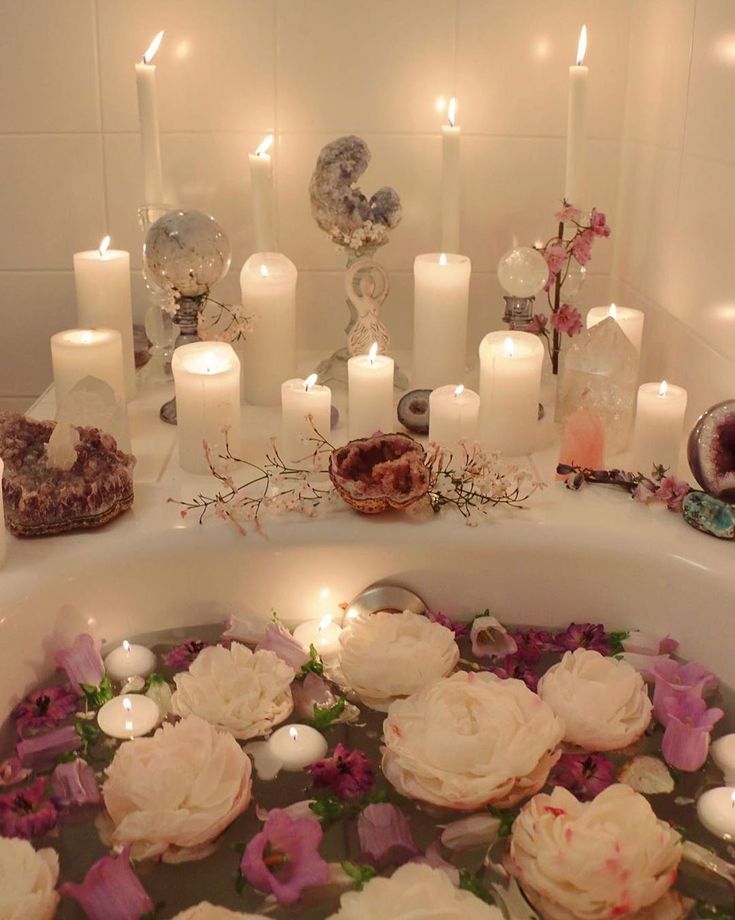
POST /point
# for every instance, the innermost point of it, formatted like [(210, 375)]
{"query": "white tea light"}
[(576, 168), (658, 426), (722, 752), (207, 384), (716, 811), (323, 634), (370, 397), (261, 185), (297, 746), (305, 406), (145, 81), (128, 660), (453, 415), (128, 716), (629, 320), (450, 180)]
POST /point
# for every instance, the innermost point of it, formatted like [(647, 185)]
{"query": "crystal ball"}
[(522, 272), (186, 252)]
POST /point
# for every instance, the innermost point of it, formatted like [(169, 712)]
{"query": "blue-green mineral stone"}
[(710, 515)]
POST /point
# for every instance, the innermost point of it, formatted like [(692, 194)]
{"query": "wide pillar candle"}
[(80, 353), (102, 280), (261, 186), (207, 382), (576, 166), (370, 383), (305, 406), (630, 321), (510, 381), (450, 181), (441, 302), (659, 423), (268, 288), (453, 415)]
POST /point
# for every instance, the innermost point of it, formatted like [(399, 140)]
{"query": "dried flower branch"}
[(238, 324), (660, 486)]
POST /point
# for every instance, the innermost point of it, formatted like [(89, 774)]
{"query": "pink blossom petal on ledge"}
[(110, 890), (74, 783)]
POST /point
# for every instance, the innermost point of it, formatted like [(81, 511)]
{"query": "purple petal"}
[(74, 783), (110, 890), (347, 773), (312, 690), (247, 631), (645, 643), (12, 772), (181, 657), (385, 836), (82, 662), (25, 813), (42, 750), (44, 709), (279, 640)]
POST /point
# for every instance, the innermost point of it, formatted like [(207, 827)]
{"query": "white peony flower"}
[(415, 891), (27, 881), (170, 795), (603, 702), (239, 691), (470, 740), (607, 858), (207, 911), (389, 655)]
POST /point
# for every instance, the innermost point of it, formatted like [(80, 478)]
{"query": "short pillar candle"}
[(80, 353), (453, 416), (370, 383), (659, 423), (629, 320), (306, 406)]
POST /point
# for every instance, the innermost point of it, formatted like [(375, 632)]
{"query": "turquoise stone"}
[(710, 515)]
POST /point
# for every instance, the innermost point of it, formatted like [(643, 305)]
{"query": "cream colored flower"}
[(239, 691), (607, 858), (603, 702), (470, 740), (170, 795), (390, 655), (414, 891), (207, 911), (27, 881)]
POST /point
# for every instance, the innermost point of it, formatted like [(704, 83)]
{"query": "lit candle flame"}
[(442, 258), (458, 391), (264, 271), (126, 645), (85, 337), (153, 47), (582, 45), (373, 352), (452, 112), (309, 382), (352, 614), (663, 388), (104, 246), (294, 733), (325, 621), (265, 146), (127, 704), (613, 312), (508, 346)]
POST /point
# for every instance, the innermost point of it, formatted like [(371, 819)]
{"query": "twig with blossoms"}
[(659, 487), (238, 327)]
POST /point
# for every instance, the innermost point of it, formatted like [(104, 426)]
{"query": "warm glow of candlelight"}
[(459, 390), (440, 104), (613, 311), (127, 704), (265, 146), (153, 47), (126, 645), (104, 246), (264, 271), (373, 352), (732, 799), (452, 112), (325, 621), (508, 346), (663, 388), (294, 733), (442, 258), (309, 382), (582, 45), (352, 614)]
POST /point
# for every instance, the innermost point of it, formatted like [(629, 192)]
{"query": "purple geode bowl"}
[(711, 450)]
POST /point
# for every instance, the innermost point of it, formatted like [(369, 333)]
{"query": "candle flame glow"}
[(442, 258), (127, 704), (128, 725), (508, 346), (264, 271), (663, 388), (153, 47), (126, 645), (84, 337), (582, 45), (373, 352), (294, 733), (309, 382), (440, 104), (104, 246), (613, 312), (352, 614), (452, 112), (264, 146), (325, 621), (458, 391)]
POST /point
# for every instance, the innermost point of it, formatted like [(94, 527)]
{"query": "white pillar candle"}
[(322, 634), (510, 380), (574, 185), (128, 660), (453, 415), (440, 307), (296, 746), (450, 180), (102, 281), (659, 422), (716, 810), (207, 383), (722, 752), (268, 288), (370, 398), (145, 81), (3, 537), (128, 716), (629, 320), (261, 190), (80, 353), (305, 406)]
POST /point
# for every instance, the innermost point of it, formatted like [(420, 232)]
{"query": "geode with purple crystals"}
[(41, 500), (711, 450)]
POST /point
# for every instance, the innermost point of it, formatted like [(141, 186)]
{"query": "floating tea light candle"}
[(128, 716), (723, 754), (296, 746), (322, 634), (716, 810), (130, 661)]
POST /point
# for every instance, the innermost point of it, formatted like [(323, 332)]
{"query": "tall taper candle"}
[(261, 185), (450, 180), (575, 184), (145, 81)]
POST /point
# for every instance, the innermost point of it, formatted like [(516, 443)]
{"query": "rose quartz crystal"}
[(583, 441)]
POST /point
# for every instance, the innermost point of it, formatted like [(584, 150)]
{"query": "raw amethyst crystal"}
[(40, 500), (711, 450)]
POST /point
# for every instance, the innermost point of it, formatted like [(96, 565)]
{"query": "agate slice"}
[(413, 411), (41, 500), (711, 450)]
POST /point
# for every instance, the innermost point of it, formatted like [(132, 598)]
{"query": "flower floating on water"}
[(74, 783), (27, 881), (207, 911), (459, 629), (584, 775), (12, 772), (607, 858), (279, 640), (686, 739), (172, 794), (490, 638), (673, 680), (183, 656), (111, 890), (583, 635), (347, 773), (42, 750), (43, 709), (474, 831), (385, 836), (26, 813), (239, 691), (603, 702), (283, 859), (82, 662), (470, 740)]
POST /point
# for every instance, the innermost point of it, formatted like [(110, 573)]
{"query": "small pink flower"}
[(691, 680), (44, 708), (582, 246), (279, 640), (567, 319), (490, 639), (673, 491), (568, 214), (385, 836), (646, 643), (42, 750), (686, 739), (584, 775), (555, 255), (583, 635), (181, 657), (74, 783), (459, 629), (537, 326), (26, 813), (111, 890), (644, 493), (598, 223), (311, 691), (82, 662), (347, 773), (12, 772)]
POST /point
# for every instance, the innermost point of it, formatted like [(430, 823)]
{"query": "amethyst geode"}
[(41, 500), (711, 450)]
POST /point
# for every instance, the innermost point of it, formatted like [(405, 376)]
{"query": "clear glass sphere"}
[(186, 252), (522, 272), (575, 280)]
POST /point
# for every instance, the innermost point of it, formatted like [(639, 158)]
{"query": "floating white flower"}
[(415, 891), (207, 911), (470, 740), (27, 881), (388, 655), (170, 795), (239, 691), (603, 702), (607, 858)]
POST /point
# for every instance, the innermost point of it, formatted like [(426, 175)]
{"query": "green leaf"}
[(314, 664), (240, 883), (375, 797), (329, 809), (88, 732), (468, 883), (358, 873), (506, 816), (153, 680), (615, 640), (485, 613), (324, 716), (98, 696)]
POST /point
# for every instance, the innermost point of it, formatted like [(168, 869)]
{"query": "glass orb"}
[(186, 252), (575, 280), (522, 272)]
